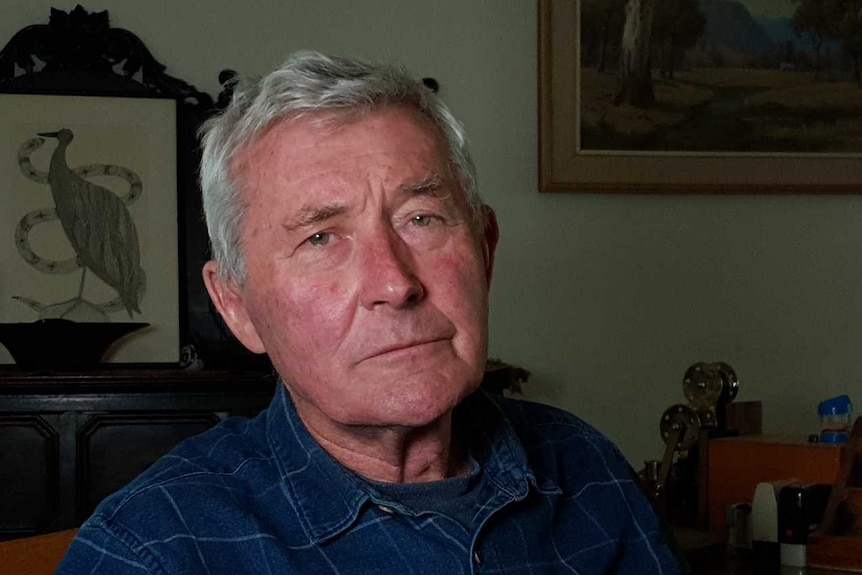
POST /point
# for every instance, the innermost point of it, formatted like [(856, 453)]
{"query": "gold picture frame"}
[(566, 166)]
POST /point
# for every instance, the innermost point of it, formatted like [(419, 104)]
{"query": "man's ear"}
[(228, 299), (490, 238)]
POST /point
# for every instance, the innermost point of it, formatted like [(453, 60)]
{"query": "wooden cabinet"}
[(69, 440), (737, 464)]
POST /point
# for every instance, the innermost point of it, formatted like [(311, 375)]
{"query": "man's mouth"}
[(403, 347)]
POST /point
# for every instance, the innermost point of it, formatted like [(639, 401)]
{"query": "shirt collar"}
[(307, 471)]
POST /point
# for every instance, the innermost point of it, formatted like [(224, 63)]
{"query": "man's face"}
[(367, 283)]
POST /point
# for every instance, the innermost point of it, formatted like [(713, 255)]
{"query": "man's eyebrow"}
[(309, 215), (432, 185)]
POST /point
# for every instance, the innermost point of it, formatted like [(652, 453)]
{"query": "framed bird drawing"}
[(88, 229)]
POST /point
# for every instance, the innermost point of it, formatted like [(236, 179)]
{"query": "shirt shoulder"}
[(221, 451), (594, 481), (209, 489), (540, 424), (559, 421), (555, 439), (229, 460)]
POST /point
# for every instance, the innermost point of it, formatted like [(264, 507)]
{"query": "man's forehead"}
[(301, 140)]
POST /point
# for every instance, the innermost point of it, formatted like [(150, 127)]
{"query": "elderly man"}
[(350, 244)]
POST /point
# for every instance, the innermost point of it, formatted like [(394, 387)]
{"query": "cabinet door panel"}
[(29, 483)]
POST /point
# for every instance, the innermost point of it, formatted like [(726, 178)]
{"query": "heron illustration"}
[(98, 225)]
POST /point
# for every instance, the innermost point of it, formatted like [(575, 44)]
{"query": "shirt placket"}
[(482, 555)]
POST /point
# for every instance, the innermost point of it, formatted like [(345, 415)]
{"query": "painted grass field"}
[(728, 110)]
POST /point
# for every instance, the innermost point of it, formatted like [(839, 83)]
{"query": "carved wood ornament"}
[(43, 56)]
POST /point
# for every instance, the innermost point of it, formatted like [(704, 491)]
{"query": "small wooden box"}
[(737, 464)]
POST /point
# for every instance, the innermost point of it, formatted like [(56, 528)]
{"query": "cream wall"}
[(607, 299)]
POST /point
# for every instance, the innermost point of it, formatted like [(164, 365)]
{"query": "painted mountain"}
[(779, 30), (731, 25)]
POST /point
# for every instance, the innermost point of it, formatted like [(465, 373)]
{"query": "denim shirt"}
[(261, 496)]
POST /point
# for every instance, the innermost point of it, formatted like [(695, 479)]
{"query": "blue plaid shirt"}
[(261, 496)]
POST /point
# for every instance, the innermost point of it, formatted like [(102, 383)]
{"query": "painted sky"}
[(772, 8)]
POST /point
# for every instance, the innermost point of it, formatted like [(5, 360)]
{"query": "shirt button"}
[(385, 509), (476, 558)]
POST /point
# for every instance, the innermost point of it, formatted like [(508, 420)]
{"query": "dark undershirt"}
[(454, 497)]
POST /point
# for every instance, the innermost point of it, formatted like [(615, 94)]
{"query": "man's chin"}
[(424, 408)]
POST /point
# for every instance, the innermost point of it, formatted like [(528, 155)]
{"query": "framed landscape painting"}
[(700, 96)]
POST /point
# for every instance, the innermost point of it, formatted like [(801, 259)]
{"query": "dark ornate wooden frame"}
[(69, 438), (79, 53)]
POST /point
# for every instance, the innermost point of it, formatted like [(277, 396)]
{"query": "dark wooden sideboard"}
[(68, 440)]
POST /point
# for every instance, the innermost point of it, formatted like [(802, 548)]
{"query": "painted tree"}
[(818, 21), (851, 34), (600, 29), (635, 73), (677, 26)]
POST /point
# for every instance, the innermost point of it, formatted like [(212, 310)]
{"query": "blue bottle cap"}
[(835, 405)]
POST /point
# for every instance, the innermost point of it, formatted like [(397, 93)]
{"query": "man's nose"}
[(388, 273)]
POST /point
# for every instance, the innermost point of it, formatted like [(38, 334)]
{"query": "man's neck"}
[(392, 454)]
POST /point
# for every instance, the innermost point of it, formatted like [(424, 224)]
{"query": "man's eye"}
[(423, 220), (320, 239)]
